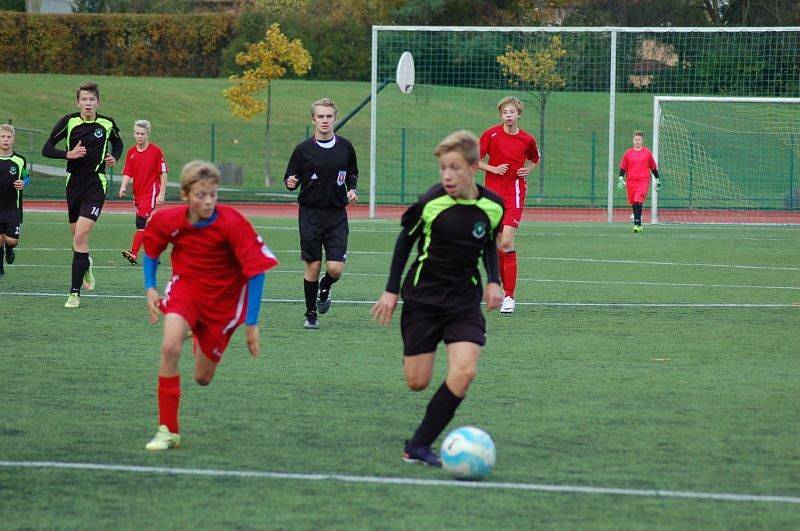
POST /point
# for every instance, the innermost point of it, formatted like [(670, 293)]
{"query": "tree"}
[(538, 71), (266, 60)]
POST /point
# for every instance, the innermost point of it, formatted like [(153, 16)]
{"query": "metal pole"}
[(656, 130), (592, 171), (791, 177), (612, 109), (373, 123), (403, 165), (691, 166), (213, 141)]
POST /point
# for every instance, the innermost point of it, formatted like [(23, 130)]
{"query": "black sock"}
[(80, 263), (310, 290), (325, 286), (440, 412), (637, 214)]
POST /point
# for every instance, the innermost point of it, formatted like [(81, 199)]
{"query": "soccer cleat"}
[(73, 301), (637, 229), (311, 321), (418, 453), (323, 305), (164, 440), (509, 305), (10, 255), (88, 277), (130, 257)]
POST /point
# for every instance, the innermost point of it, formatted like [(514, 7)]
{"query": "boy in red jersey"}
[(218, 265), (146, 167), (509, 149), (637, 163)]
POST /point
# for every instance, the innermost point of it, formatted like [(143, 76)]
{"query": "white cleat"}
[(509, 305), (164, 440)]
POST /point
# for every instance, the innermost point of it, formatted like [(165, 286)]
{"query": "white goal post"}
[(727, 156)]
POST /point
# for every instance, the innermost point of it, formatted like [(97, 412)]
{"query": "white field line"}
[(544, 258), (519, 303), (521, 279), (488, 485)]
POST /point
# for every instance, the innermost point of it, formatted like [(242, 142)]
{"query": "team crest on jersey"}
[(479, 230), (98, 133), (340, 177), (12, 170)]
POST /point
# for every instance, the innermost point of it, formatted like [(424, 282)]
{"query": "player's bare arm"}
[(153, 298), (253, 344), (123, 188), (383, 309), (500, 170), (162, 194), (492, 295)]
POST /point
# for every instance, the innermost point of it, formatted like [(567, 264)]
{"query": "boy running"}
[(218, 265), (146, 167), (13, 178)]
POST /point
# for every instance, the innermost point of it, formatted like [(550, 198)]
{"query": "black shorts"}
[(11, 223), (323, 227), (423, 327), (85, 197)]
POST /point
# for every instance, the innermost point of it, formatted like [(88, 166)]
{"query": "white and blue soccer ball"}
[(468, 453)]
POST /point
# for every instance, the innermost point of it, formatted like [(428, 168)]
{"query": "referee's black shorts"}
[(423, 327), (323, 227), (85, 197)]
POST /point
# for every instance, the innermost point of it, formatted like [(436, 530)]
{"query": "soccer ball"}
[(468, 453)]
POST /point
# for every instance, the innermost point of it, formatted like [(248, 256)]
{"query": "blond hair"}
[(198, 170), (511, 100), (144, 124), (9, 128), (463, 142), (324, 102), (638, 133)]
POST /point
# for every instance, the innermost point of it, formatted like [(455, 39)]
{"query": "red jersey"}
[(637, 164), (215, 258), (145, 167), (504, 148)]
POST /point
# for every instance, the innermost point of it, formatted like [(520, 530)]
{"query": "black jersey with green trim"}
[(12, 167), (453, 234), (95, 136)]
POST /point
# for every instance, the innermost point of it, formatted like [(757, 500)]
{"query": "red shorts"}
[(513, 203), (146, 203), (212, 324), (637, 191)]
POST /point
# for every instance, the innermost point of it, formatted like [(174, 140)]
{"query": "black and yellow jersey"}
[(12, 168), (453, 235), (95, 136)]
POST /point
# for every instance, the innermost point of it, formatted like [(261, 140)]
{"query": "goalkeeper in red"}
[(634, 173), (509, 149), (218, 265)]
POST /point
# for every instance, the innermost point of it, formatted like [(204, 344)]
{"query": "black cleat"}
[(130, 257), (324, 303), (417, 453), (311, 321), (10, 255)]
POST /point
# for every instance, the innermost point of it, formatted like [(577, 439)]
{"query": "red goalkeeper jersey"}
[(504, 148), (216, 258), (637, 164)]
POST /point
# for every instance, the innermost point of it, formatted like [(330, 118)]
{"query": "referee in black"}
[(325, 168), (456, 223), (88, 136)]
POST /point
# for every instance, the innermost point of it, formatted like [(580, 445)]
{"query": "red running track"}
[(532, 214)]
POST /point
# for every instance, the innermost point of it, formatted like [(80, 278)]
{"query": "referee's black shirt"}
[(326, 169)]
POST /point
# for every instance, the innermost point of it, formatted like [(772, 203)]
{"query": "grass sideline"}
[(691, 398)]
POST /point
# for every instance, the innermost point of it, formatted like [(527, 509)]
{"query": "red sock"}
[(510, 273), (169, 401), (138, 236), (501, 262)]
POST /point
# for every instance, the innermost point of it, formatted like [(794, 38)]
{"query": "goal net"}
[(727, 160)]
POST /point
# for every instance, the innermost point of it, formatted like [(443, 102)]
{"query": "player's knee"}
[(462, 376), (10, 242), (171, 350), (417, 382), (203, 379)]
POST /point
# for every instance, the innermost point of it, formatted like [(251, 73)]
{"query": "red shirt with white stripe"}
[(145, 168), (637, 164), (504, 148), (216, 258)]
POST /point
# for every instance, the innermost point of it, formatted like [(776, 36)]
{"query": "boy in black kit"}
[(325, 168)]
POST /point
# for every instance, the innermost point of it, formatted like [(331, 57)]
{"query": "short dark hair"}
[(88, 87)]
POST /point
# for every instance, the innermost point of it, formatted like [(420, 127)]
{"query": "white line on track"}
[(521, 279), (346, 478), (519, 303), (522, 257)]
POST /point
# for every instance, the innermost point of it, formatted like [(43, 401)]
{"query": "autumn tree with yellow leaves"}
[(538, 72), (265, 61)]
